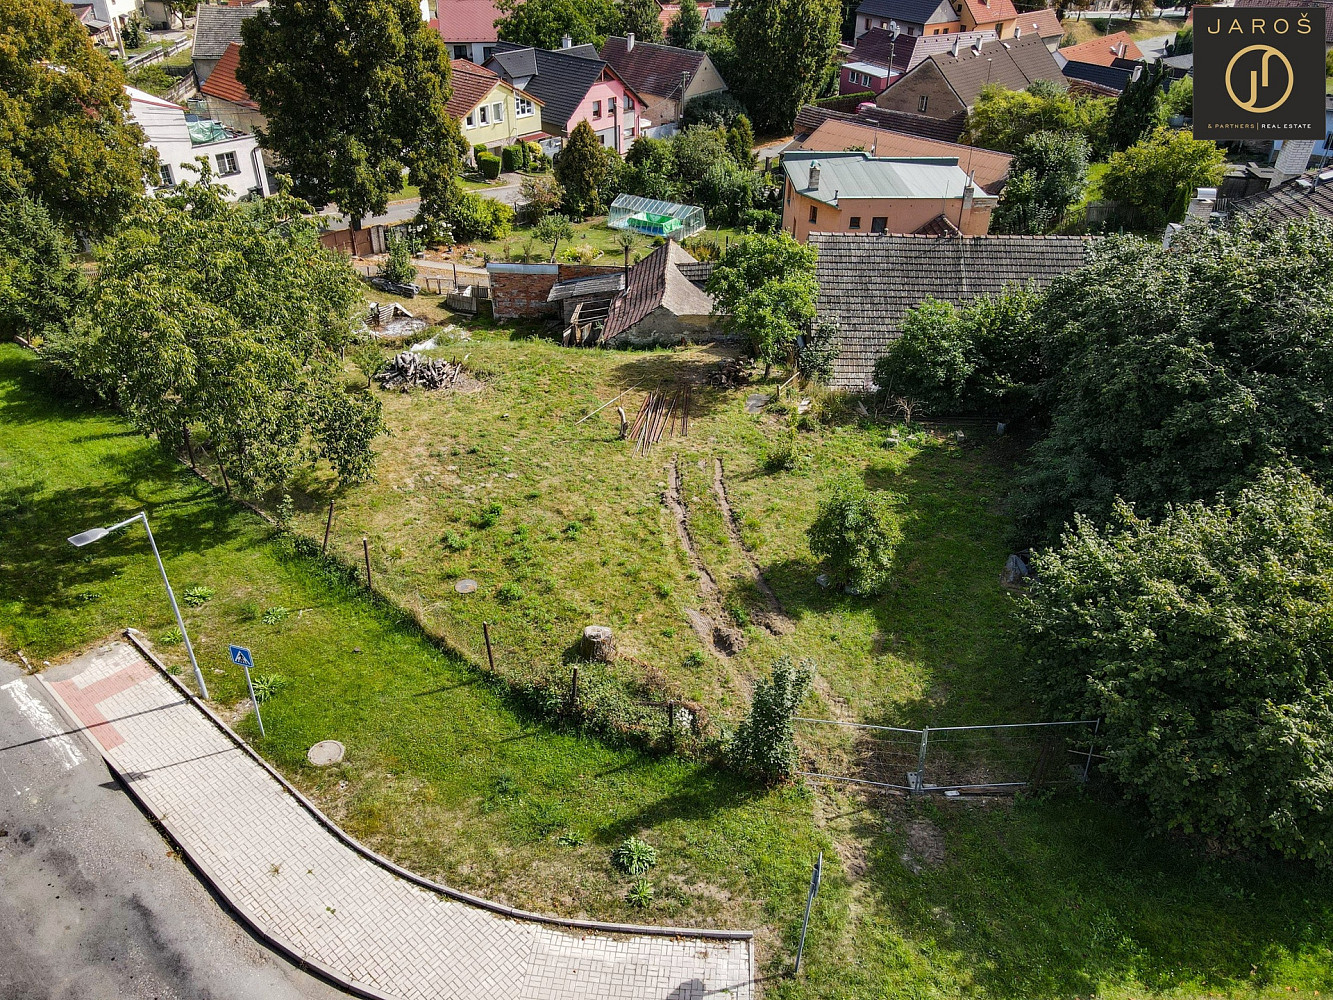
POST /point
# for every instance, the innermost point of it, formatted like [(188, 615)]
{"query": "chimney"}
[(969, 192), (976, 46), (1202, 204), (629, 41), (954, 51), (814, 177), (1120, 51), (566, 42), (1018, 32)]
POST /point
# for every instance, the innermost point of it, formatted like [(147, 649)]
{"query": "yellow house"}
[(492, 113)]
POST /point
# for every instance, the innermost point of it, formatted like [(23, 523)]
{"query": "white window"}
[(523, 107), (484, 115), (498, 111), (167, 179), (227, 164), (471, 121), (597, 109)]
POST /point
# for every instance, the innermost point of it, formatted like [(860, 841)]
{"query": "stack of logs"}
[(661, 414), (730, 373), (408, 369)]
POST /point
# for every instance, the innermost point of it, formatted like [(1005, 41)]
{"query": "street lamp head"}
[(88, 537)]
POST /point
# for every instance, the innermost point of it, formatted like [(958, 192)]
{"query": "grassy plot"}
[(1060, 898)]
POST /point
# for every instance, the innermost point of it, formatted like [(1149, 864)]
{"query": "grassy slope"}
[(1045, 898), (1079, 31)]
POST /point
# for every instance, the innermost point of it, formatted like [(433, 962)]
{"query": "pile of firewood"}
[(730, 373), (407, 370)]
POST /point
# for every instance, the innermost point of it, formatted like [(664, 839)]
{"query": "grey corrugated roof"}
[(217, 27), (860, 175), (867, 283), (596, 284), (559, 80), (909, 11)]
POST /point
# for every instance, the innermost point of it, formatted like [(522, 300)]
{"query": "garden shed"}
[(656, 218)]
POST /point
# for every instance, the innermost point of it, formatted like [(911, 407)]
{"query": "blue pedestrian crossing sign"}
[(241, 657)]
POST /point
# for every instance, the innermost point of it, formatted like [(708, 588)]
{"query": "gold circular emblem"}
[(1255, 82)]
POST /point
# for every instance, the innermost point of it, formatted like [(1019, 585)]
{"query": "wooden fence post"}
[(323, 549), (574, 691), (486, 634), (365, 547)]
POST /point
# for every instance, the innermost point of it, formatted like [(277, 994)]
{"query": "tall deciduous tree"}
[(210, 316), (1003, 119), (686, 26), (1045, 178), (1204, 642), (643, 17), (354, 92), (1157, 176), (764, 290), (582, 170), (784, 49), (66, 138), (543, 23)]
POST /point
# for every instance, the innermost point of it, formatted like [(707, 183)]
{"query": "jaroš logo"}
[(1258, 73), (1259, 78)]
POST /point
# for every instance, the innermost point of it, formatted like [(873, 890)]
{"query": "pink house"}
[(574, 85)]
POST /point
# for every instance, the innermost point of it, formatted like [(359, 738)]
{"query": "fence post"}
[(323, 549), (918, 781), (365, 547), (574, 691), (486, 634), (1092, 745)]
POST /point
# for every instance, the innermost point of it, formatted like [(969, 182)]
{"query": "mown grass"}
[(1043, 898), (1078, 31)]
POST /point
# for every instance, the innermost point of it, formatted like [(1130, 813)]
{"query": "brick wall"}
[(519, 291)]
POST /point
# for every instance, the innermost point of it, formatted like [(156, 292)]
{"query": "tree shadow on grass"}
[(1068, 897), (710, 790)]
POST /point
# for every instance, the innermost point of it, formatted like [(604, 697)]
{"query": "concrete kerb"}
[(409, 876)]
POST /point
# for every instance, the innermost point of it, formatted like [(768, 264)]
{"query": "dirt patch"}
[(775, 620), (708, 622), (925, 846)]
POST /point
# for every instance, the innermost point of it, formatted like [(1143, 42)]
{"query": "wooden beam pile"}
[(661, 415), (408, 369)]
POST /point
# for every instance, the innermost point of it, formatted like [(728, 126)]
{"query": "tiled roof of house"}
[(222, 82), (810, 118), (653, 70), (1044, 23), (991, 168), (1111, 78), (1103, 51), (654, 282), (867, 282), (670, 10), (1296, 198), (471, 83), (991, 11), (1326, 4), (1015, 63), (558, 79), (466, 20), (880, 47), (216, 27), (909, 11), (939, 226)]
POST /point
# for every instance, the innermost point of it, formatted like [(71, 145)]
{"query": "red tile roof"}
[(466, 20), (1045, 22), (470, 84), (1103, 51), (991, 11), (670, 10), (222, 82)]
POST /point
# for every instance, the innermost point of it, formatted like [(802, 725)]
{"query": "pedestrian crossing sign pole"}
[(242, 658)]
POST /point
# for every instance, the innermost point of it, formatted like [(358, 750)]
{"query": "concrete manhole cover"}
[(325, 752), (465, 586)]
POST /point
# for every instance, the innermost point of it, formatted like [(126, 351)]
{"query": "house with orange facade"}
[(999, 16), (854, 192)]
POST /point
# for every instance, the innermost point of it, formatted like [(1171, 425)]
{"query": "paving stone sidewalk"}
[(346, 915)]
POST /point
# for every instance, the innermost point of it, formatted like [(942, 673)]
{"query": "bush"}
[(480, 150), (489, 164), (1203, 641), (634, 856), (511, 158), (473, 216), (369, 360), (397, 265), (765, 744), (818, 351), (716, 110), (857, 533)]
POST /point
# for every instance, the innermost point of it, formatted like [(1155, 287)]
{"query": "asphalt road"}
[(93, 903)]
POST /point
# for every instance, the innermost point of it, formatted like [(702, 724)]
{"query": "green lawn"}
[(1061, 897), (1078, 31)]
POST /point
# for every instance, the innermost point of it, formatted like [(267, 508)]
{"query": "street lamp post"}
[(93, 534)]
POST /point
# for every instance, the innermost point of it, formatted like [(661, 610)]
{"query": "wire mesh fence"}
[(950, 758)]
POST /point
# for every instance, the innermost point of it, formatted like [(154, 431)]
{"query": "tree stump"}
[(599, 644)]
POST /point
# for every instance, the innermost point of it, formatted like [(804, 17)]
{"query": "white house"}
[(112, 13), (180, 139)]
